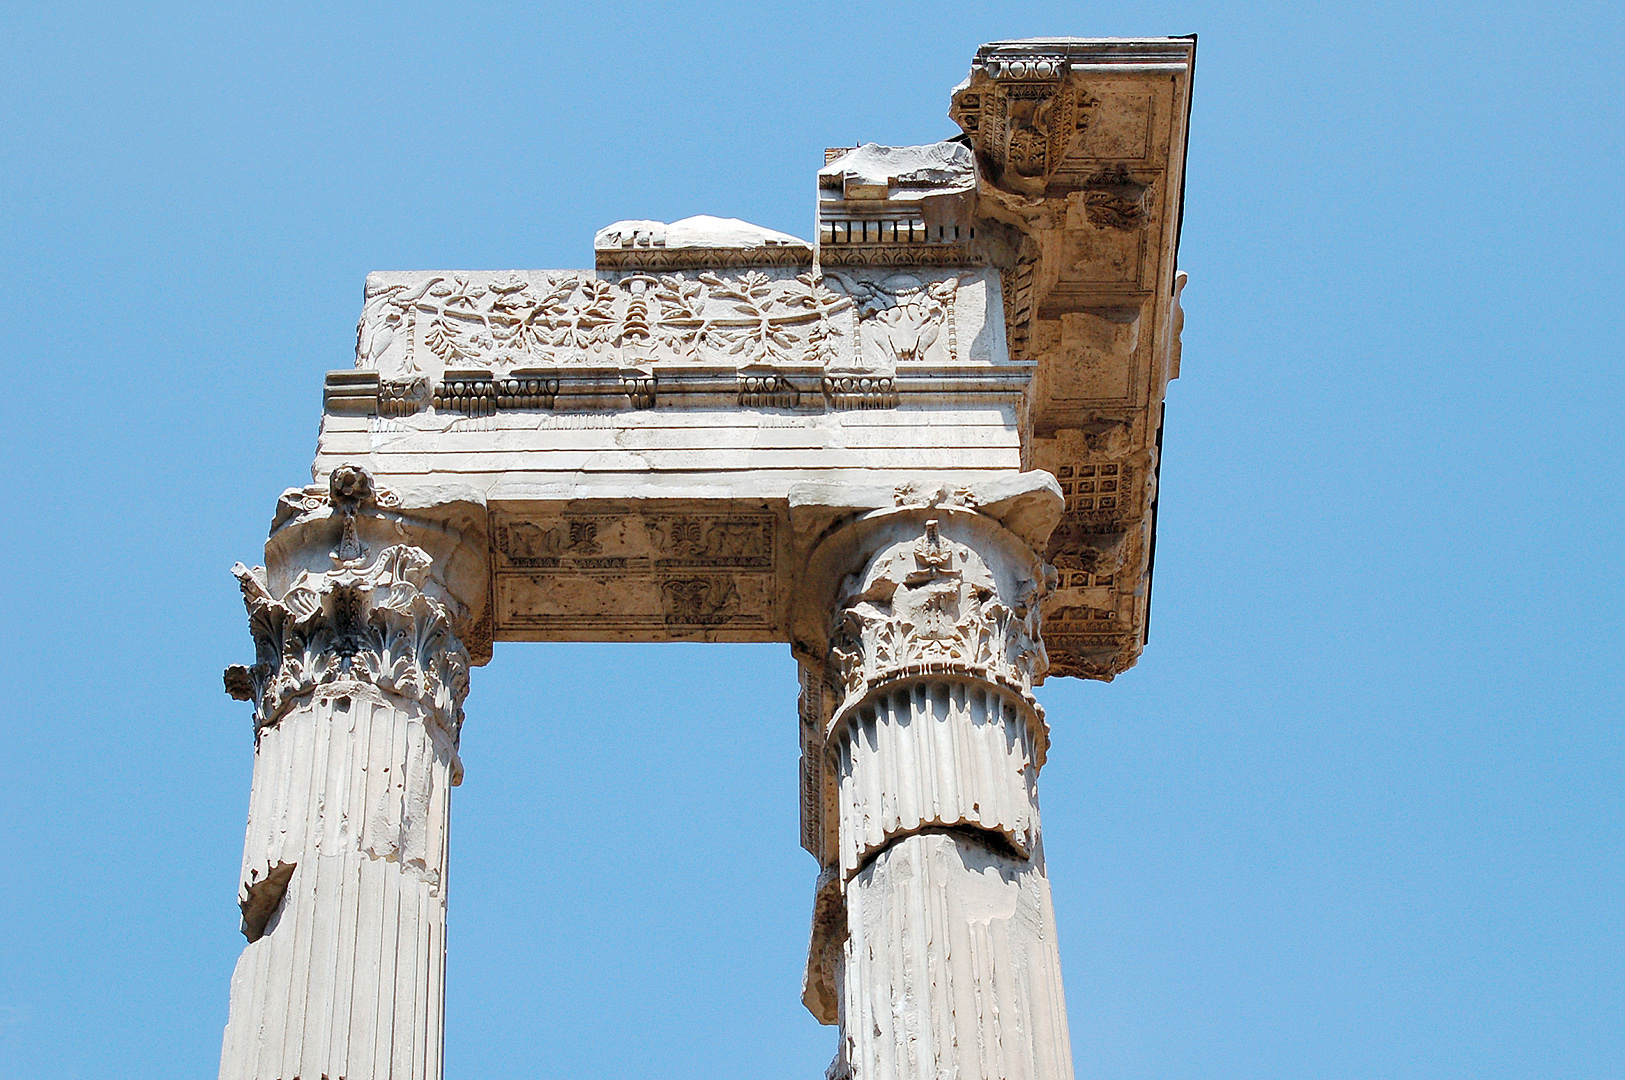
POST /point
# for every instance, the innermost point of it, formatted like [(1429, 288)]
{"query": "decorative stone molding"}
[(404, 397), (640, 390), (526, 390), (767, 392), (861, 391), (471, 392), (351, 393), (1023, 113)]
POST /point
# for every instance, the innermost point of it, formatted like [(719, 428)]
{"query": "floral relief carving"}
[(560, 318), (708, 601), (901, 317), (935, 610), (376, 623)]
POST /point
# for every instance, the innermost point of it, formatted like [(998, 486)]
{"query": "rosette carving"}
[(385, 624)]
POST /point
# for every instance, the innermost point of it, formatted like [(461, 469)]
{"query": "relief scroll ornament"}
[(385, 620), (934, 607), (508, 321)]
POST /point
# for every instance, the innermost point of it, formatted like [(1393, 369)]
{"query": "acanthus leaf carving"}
[(382, 623), (933, 608)]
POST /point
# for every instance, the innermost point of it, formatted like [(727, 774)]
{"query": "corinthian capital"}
[(944, 581), (386, 624), (928, 604)]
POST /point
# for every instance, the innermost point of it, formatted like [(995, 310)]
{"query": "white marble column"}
[(358, 690), (934, 944)]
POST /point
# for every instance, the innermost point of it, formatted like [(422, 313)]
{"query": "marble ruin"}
[(921, 449)]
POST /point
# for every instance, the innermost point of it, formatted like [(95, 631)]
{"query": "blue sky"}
[(1359, 812)]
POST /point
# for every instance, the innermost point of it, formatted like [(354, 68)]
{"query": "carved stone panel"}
[(649, 575), (478, 342)]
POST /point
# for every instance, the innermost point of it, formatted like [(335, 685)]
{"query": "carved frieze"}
[(900, 317), (479, 343), (744, 542), (550, 319), (644, 575)]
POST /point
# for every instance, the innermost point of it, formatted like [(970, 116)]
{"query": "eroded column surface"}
[(358, 689), (934, 941)]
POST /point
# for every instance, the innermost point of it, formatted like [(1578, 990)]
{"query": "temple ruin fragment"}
[(922, 449)]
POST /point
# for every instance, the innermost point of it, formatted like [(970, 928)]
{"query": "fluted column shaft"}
[(358, 692), (934, 947), (347, 977)]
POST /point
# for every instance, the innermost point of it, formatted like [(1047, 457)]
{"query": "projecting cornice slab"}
[(1080, 148)]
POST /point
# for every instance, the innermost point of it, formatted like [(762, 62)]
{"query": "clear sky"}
[(1359, 812)]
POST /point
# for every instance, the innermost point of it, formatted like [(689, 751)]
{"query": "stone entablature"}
[(1080, 147), (1012, 292)]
